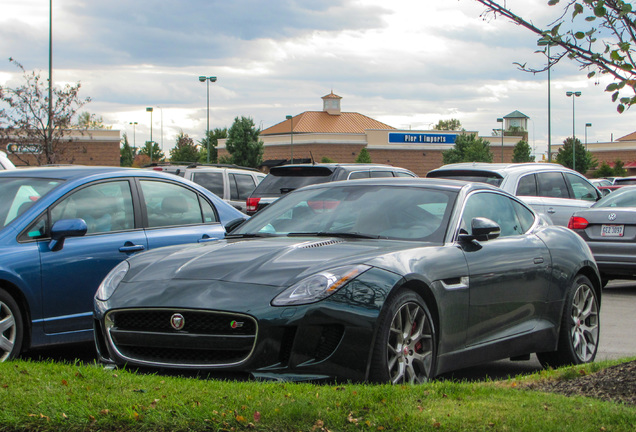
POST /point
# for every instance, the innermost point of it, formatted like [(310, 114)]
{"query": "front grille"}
[(212, 339)]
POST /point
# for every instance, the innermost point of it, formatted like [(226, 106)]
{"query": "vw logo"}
[(177, 321), (612, 216)]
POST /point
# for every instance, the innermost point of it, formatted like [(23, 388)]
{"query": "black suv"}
[(286, 178)]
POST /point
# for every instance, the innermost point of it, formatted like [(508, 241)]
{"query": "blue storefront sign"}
[(421, 138)]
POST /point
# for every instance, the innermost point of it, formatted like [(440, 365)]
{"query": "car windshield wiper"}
[(335, 234), (249, 235)]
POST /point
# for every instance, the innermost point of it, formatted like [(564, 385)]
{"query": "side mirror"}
[(483, 229), (234, 223), (66, 228)]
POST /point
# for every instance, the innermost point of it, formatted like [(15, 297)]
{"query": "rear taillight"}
[(577, 222), (252, 204), (157, 169)]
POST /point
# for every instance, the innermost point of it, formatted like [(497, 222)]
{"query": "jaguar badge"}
[(177, 321)]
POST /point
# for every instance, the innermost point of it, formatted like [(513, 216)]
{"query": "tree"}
[(522, 152), (584, 159), (603, 42), (604, 170), (185, 150), (87, 120), (619, 169), (152, 150), (363, 156), (213, 136), (468, 148), (25, 121), (448, 125), (126, 155), (243, 143)]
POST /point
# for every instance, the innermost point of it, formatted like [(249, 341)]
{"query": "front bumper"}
[(332, 338)]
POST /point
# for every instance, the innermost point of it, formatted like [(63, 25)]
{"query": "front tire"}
[(11, 327), (406, 346), (580, 327)]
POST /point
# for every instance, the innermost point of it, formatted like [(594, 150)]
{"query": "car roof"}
[(503, 169), (68, 172), (343, 165), (440, 183)]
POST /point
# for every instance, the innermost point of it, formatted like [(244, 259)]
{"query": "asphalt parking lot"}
[(618, 322)]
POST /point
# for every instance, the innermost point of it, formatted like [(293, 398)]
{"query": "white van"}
[(5, 163), (232, 183)]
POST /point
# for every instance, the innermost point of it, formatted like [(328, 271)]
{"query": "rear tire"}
[(580, 327), (406, 346), (11, 327)]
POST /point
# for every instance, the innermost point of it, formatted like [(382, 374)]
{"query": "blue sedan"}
[(62, 229)]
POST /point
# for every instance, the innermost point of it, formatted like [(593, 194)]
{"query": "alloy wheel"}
[(585, 323), (7, 331)]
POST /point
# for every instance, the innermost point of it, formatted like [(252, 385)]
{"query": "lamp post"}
[(208, 80), (49, 126), (574, 95), (291, 145), (149, 109), (134, 136), (547, 42), (501, 120), (587, 125)]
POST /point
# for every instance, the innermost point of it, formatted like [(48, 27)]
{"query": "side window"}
[(527, 186), (379, 174), (402, 174), (496, 207), (212, 181), (525, 216), (105, 207), (581, 188), (209, 215), (242, 186), (169, 204), (358, 175), (552, 184)]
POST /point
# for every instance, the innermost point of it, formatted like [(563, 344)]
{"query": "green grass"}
[(47, 396)]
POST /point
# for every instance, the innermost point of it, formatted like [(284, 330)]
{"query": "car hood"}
[(276, 261)]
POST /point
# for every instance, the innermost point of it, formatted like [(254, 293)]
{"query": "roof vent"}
[(309, 245)]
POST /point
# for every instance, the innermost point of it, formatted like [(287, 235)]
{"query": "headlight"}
[(110, 282), (318, 286)]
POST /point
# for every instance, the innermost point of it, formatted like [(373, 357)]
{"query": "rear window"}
[(281, 180), (468, 175), (625, 181)]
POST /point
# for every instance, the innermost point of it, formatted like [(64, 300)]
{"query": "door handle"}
[(551, 210), (538, 260), (130, 247)]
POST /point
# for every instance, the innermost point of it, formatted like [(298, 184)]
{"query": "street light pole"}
[(547, 42), (208, 80), (587, 125), (501, 120), (149, 109), (291, 146), (574, 95), (134, 136)]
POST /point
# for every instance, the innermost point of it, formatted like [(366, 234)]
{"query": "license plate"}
[(612, 230)]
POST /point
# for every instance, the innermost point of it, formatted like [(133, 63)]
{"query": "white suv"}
[(232, 183), (550, 189), (5, 163)]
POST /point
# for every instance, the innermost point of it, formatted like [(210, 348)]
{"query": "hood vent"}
[(309, 245)]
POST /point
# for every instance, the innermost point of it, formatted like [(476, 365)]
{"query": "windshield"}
[(393, 212), (623, 197), (18, 194), (468, 175)]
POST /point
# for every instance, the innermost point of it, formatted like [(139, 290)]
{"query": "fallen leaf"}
[(44, 417), (64, 416), (351, 419), (257, 416), (240, 419), (104, 411), (437, 424), (318, 425), (64, 382)]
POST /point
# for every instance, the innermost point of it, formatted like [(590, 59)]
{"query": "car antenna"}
[(313, 162)]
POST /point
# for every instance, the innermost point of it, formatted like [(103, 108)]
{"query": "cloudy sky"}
[(408, 63)]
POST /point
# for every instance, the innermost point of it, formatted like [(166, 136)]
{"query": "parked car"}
[(381, 280), (286, 178), (550, 189), (609, 229), (231, 182), (603, 184), (5, 163), (63, 229)]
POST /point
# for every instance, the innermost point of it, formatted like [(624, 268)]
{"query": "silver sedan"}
[(609, 229)]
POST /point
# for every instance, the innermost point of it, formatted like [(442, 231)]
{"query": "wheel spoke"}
[(6, 323), (5, 345)]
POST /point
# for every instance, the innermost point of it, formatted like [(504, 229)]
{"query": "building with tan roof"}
[(339, 136)]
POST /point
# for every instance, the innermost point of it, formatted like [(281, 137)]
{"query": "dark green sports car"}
[(387, 280)]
